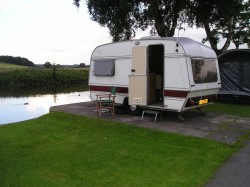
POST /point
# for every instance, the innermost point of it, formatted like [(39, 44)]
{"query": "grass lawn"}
[(239, 110), (11, 66), (60, 149)]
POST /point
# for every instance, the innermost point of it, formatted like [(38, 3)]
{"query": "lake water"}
[(14, 109)]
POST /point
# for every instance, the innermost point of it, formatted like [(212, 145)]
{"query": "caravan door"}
[(138, 78)]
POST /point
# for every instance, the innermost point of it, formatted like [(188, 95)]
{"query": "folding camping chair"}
[(106, 102)]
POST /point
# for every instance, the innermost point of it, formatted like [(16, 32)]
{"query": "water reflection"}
[(26, 92), (14, 109)]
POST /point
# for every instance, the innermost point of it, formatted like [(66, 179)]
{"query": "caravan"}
[(174, 74)]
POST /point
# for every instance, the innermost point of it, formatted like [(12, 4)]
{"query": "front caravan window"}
[(104, 68), (204, 71)]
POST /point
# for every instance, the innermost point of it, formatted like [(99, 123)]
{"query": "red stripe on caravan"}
[(122, 90), (176, 93), (100, 88), (107, 89)]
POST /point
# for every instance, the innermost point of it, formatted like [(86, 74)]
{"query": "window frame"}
[(204, 79), (100, 70)]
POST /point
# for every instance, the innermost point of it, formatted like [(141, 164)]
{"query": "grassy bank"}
[(65, 150), (40, 77), (5, 66), (222, 108)]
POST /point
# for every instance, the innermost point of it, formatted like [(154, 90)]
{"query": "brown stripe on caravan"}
[(107, 89), (176, 93)]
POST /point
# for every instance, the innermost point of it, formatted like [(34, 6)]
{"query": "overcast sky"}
[(55, 31)]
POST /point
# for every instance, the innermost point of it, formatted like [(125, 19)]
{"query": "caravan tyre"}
[(134, 110)]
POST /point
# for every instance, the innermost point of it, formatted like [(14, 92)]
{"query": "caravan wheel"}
[(134, 110)]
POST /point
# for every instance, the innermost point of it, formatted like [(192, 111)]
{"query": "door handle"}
[(132, 70)]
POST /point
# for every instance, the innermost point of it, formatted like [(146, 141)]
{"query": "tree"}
[(47, 65), (82, 65), (219, 18), (241, 31), (123, 17), (17, 61), (116, 15), (160, 16), (241, 36)]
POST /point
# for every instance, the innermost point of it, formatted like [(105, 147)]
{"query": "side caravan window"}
[(204, 70), (104, 68)]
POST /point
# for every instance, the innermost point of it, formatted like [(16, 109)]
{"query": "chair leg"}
[(97, 109), (113, 107), (112, 110)]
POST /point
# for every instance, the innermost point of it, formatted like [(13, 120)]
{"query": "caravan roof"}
[(191, 47)]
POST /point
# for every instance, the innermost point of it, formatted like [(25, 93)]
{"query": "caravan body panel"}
[(161, 73)]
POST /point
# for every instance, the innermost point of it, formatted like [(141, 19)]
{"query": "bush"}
[(42, 77)]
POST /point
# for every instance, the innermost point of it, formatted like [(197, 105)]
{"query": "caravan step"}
[(151, 112)]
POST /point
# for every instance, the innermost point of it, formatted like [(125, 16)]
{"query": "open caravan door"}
[(138, 78)]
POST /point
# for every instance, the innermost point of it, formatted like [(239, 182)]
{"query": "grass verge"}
[(60, 149), (239, 110)]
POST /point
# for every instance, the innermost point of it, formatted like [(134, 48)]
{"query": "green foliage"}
[(47, 65), (123, 17), (221, 19), (4, 66), (241, 30), (82, 65), (161, 16), (38, 77), (17, 61), (239, 110), (60, 149)]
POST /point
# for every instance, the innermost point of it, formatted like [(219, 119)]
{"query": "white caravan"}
[(173, 74)]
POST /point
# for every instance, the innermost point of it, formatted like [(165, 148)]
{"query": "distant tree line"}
[(53, 65), (16, 60)]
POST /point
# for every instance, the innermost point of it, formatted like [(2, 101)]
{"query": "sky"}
[(56, 31)]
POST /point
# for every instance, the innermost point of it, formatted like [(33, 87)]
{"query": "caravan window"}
[(204, 71), (104, 68)]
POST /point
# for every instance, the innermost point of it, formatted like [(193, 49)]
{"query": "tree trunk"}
[(212, 40), (159, 22), (229, 35)]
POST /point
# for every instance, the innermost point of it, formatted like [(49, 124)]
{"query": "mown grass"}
[(5, 66), (60, 149), (232, 109)]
